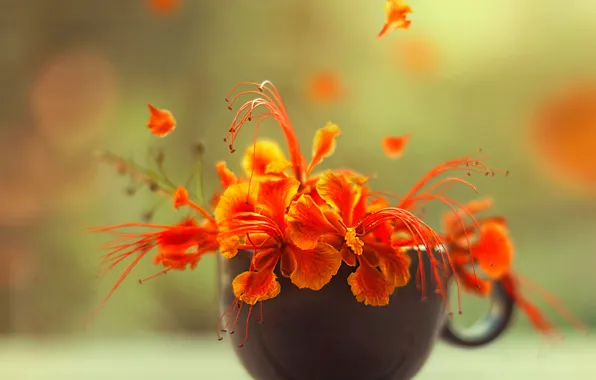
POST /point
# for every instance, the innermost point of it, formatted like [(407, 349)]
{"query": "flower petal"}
[(161, 122), (265, 157), (473, 283), (348, 256), (395, 266), (237, 198), (180, 197), (353, 241), (394, 146), (369, 286), (287, 264), (177, 258), (226, 176), (396, 12), (252, 287), (339, 193), (324, 144), (275, 196), (315, 268), (494, 250), (370, 256), (228, 245), (306, 223), (266, 258), (452, 221)]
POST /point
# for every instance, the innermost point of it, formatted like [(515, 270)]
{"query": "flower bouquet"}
[(324, 277)]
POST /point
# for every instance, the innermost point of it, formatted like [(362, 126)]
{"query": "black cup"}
[(328, 335)]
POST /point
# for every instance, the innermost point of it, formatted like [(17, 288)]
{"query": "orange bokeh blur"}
[(325, 87), (164, 6), (563, 133), (416, 55), (73, 96)]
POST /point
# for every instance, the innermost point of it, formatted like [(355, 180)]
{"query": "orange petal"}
[(287, 264), (259, 239), (323, 144), (306, 223), (226, 176), (494, 250), (161, 122), (180, 197), (396, 12), (353, 241), (265, 157), (228, 245), (237, 198), (348, 256), (395, 265), (176, 258), (394, 146), (315, 268), (451, 220), (252, 287), (473, 283), (266, 258), (377, 204), (339, 194), (275, 196), (184, 233), (369, 286), (371, 257)]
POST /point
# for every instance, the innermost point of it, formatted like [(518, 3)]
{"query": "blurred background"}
[(515, 78)]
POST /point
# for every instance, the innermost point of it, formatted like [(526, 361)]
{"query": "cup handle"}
[(486, 329)]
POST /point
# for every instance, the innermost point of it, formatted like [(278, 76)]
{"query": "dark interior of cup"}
[(328, 335)]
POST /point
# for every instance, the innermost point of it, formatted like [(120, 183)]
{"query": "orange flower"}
[(260, 224), (161, 122), (178, 246), (309, 225), (493, 251), (396, 12)]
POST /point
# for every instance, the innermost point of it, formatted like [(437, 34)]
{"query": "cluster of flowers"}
[(308, 224)]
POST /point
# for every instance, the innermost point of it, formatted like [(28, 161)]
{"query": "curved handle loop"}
[(486, 329)]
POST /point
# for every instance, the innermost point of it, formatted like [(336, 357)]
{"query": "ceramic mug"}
[(327, 334)]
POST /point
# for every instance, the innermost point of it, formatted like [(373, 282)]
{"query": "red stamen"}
[(268, 97), (143, 251), (218, 327), (417, 228), (246, 326), (465, 163), (163, 271), (555, 303)]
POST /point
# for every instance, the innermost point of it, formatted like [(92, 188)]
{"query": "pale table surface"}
[(513, 357)]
